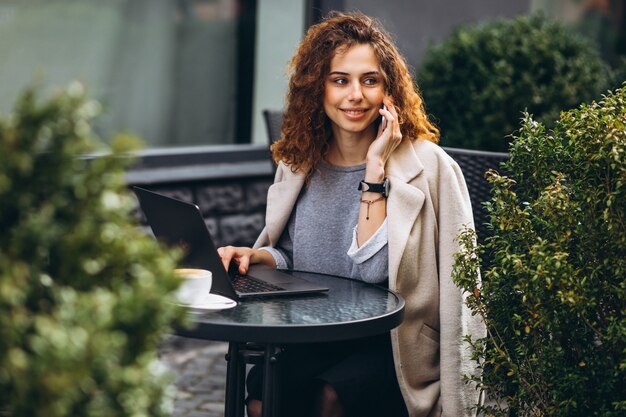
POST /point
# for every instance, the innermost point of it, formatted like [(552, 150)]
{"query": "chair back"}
[(474, 165), (273, 123)]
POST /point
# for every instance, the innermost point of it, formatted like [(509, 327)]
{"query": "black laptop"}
[(178, 223)]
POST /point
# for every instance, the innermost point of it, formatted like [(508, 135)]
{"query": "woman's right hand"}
[(240, 254), (244, 257), (385, 143)]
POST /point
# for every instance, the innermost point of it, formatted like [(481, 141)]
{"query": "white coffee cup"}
[(195, 287)]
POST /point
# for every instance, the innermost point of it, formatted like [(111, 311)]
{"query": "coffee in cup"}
[(195, 287)]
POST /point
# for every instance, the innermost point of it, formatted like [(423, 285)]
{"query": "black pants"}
[(361, 371)]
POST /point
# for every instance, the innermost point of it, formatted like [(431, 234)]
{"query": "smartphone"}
[(383, 121)]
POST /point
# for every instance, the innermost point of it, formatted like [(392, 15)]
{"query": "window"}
[(174, 72)]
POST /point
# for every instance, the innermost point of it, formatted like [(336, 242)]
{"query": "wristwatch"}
[(375, 187)]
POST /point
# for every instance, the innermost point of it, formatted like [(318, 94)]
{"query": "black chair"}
[(273, 123), (474, 164)]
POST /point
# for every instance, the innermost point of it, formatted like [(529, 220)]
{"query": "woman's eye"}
[(370, 81), (340, 81)]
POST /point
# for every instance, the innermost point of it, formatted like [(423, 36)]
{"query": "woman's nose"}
[(355, 92)]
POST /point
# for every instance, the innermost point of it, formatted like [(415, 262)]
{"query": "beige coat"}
[(427, 205)]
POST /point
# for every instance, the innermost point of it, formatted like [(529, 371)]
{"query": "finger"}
[(395, 126), (390, 107), (389, 119), (226, 262), (396, 135), (244, 265), (225, 255), (380, 126), (388, 114), (389, 101)]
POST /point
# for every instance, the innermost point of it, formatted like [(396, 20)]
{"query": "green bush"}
[(478, 81), (82, 290), (553, 294)]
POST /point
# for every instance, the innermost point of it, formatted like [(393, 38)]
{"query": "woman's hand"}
[(244, 257), (383, 146), (373, 211)]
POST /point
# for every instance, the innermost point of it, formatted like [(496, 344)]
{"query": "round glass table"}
[(257, 329)]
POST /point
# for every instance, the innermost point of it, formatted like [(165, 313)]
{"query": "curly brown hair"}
[(306, 129)]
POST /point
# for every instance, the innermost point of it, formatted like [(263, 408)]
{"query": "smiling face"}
[(354, 91)]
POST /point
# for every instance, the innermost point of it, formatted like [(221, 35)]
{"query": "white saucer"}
[(212, 302)]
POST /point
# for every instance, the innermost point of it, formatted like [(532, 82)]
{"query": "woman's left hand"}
[(387, 141)]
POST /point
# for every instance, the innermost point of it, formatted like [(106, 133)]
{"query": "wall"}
[(417, 24), (280, 27), (229, 184), (233, 210)]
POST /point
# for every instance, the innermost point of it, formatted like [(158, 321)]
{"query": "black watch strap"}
[(375, 187)]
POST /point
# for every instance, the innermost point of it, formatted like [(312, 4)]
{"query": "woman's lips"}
[(354, 114)]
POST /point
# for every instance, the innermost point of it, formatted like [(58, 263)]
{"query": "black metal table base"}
[(238, 356)]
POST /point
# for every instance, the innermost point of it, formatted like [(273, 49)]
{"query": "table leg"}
[(271, 382), (277, 383), (241, 386), (233, 404)]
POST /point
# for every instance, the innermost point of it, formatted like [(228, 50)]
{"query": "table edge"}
[(294, 333)]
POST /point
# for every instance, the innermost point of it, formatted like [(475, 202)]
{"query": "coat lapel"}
[(281, 198), (404, 203)]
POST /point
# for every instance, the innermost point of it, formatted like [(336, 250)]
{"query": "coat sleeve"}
[(456, 320), (264, 239)]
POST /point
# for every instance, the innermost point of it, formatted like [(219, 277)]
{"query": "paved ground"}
[(200, 371)]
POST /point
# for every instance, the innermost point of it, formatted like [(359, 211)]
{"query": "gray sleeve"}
[(371, 260), (279, 257)]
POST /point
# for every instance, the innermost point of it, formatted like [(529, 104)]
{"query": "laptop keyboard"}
[(248, 284)]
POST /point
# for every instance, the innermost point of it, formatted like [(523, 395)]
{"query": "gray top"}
[(321, 233)]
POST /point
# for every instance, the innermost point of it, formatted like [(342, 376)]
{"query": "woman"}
[(392, 202)]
